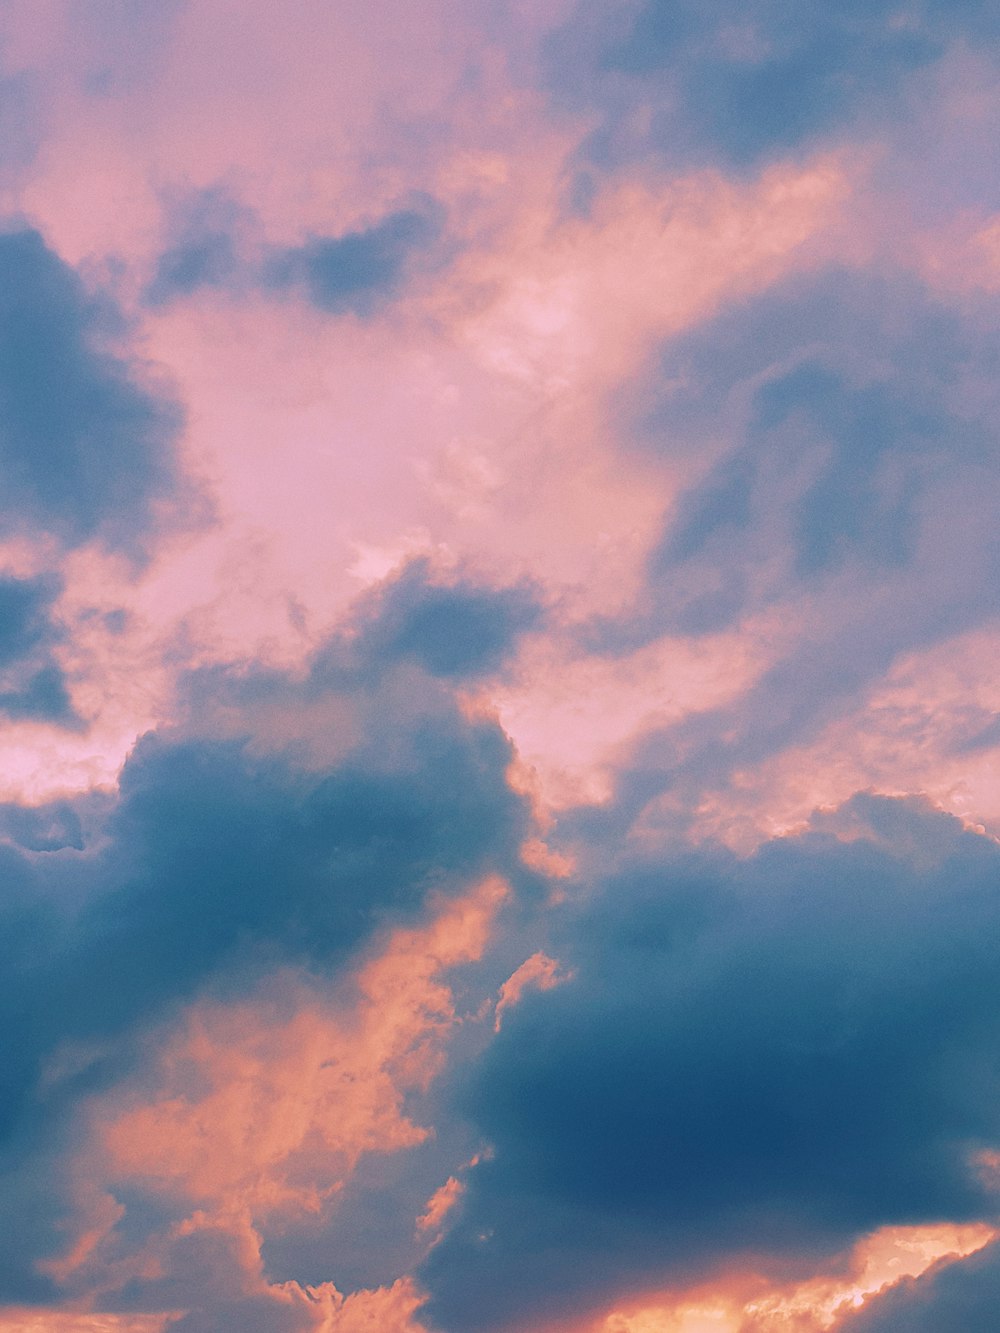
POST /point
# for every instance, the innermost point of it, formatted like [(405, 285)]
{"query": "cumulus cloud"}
[(755, 1062), (951, 1297), (249, 1116), (233, 848), (659, 340)]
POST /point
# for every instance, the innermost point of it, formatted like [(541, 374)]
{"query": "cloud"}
[(235, 848), (454, 630), (121, 47), (86, 451), (32, 683), (246, 1118), (203, 251), (829, 429), (737, 85), (838, 408), (215, 247), (755, 1062), (221, 857), (951, 1297), (43, 828), (761, 500), (20, 123), (358, 271)]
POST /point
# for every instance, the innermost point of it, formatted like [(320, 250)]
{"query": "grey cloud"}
[(208, 233), (847, 418), (849, 405)]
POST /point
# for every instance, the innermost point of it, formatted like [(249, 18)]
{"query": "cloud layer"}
[(498, 714)]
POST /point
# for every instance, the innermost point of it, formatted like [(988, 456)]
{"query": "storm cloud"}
[(756, 1061)]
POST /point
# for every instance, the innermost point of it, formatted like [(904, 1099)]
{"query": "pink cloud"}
[(927, 727), (478, 418), (14, 1320)]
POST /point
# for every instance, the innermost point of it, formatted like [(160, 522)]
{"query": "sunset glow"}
[(499, 727)]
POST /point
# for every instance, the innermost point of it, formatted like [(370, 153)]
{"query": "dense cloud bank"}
[(755, 1062)]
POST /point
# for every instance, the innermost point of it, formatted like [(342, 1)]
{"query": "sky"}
[(499, 603)]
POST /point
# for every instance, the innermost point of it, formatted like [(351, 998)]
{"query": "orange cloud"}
[(538, 972), (440, 1204), (15, 1320), (269, 1103), (749, 1305), (261, 1108)]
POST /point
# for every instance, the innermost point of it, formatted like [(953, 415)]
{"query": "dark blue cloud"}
[(195, 262), (357, 272), (219, 865), (757, 1059), (24, 616), (456, 630), (28, 926), (85, 451), (221, 858), (215, 246), (42, 697), (43, 828), (737, 84), (952, 1297), (32, 684)]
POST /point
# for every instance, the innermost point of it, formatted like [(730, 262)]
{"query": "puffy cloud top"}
[(755, 1061)]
